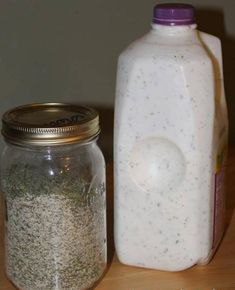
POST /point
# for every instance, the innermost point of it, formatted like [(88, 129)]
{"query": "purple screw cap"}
[(173, 14)]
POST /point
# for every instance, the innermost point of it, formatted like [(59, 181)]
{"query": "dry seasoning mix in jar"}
[(53, 184)]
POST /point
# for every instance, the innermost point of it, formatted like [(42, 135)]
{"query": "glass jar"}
[(53, 184)]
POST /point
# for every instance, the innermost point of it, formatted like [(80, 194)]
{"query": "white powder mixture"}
[(52, 243)]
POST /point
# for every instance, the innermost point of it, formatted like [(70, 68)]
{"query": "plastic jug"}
[(170, 141)]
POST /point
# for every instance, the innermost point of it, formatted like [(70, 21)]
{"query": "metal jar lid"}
[(47, 124)]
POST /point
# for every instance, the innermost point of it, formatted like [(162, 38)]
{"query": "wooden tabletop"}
[(218, 275)]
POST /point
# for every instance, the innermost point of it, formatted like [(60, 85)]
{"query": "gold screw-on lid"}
[(47, 124)]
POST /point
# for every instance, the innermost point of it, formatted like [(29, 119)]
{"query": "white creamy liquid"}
[(170, 125)]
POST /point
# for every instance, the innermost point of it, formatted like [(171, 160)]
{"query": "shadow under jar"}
[(53, 184)]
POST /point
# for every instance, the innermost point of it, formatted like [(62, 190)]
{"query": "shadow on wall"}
[(212, 22), (106, 137)]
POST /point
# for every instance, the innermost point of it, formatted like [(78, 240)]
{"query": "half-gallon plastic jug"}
[(170, 143)]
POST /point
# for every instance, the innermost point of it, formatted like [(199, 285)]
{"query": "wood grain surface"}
[(218, 275)]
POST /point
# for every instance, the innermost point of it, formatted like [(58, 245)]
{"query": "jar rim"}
[(49, 124)]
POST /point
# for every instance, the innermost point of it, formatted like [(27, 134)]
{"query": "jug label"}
[(219, 196)]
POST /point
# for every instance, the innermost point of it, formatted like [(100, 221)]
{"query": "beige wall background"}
[(67, 50)]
